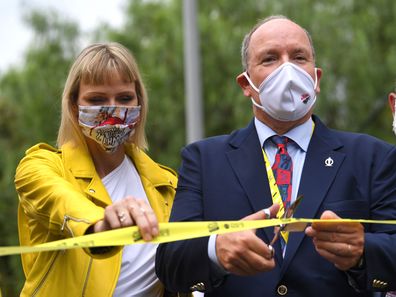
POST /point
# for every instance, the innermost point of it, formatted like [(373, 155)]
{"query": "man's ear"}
[(391, 100), (244, 84), (319, 73)]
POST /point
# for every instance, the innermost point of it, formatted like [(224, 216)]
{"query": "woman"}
[(97, 179)]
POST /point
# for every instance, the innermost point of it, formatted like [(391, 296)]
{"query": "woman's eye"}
[(96, 100), (126, 98)]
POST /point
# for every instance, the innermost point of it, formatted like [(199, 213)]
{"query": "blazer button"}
[(198, 287), (282, 290)]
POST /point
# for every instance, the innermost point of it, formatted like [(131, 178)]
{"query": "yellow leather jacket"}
[(60, 196)]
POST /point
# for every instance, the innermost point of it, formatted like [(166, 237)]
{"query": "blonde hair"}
[(96, 65)]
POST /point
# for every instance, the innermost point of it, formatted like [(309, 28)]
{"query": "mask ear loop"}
[(250, 82), (394, 121), (316, 79), (254, 88)]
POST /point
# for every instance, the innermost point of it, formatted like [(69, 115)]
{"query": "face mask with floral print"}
[(109, 126)]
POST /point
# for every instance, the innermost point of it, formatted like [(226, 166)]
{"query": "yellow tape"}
[(169, 232)]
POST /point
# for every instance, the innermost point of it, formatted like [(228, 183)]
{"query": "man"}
[(392, 102), (392, 105), (339, 174)]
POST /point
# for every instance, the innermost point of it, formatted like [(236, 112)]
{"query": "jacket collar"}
[(79, 162), (149, 170), (326, 135)]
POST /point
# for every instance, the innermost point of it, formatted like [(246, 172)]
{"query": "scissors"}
[(289, 211)]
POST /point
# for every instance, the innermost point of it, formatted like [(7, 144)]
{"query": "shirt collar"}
[(301, 134)]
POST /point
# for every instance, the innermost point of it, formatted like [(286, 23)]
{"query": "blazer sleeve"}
[(380, 241), (184, 266)]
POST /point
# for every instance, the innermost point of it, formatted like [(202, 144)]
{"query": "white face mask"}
[(287, 94), (110, 126)]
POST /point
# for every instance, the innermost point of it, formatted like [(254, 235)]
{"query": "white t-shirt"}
[(137, 277)]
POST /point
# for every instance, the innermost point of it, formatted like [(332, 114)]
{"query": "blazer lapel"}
[(321, 165), (247, 161)]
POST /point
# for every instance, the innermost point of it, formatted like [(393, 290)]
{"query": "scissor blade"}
[(292, 209), (295, 227)]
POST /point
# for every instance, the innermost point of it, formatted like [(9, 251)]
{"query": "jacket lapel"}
[(79, 162), (154, 176), (247, 161), (321, 165)]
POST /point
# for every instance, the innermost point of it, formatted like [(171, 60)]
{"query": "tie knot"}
[(280, 140)]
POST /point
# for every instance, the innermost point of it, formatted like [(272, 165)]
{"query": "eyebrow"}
[(302, 50), (275, 49)]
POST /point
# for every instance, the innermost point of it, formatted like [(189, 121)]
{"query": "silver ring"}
[(272, 251), (142, 210), (349, 247), (267, 213), (121, 217)]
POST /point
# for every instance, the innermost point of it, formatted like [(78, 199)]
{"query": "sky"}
[(15, 35)]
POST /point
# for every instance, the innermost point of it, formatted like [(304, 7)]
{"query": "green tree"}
[(354, 42), (29, 105)]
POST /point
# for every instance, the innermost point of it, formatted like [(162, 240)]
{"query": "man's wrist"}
[(360, 265), (357, 275)]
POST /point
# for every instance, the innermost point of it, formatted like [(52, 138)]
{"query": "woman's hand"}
[(129, 212)]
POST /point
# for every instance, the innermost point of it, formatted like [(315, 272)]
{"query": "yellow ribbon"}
[(169, 232)]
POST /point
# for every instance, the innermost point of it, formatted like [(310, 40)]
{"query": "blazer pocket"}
[(349, 209)]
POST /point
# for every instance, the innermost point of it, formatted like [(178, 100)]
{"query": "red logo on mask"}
[(112, 121), (305, 98)]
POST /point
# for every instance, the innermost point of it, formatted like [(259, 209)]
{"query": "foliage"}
[(354, 42), (29, 105)]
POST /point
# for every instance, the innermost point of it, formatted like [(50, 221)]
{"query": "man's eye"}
[(267, 60), (301, 58)]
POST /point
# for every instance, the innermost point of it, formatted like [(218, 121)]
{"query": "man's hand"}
[(340, 243), (243, 253)]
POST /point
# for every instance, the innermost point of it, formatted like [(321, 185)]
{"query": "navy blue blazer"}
[(224, 178)]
